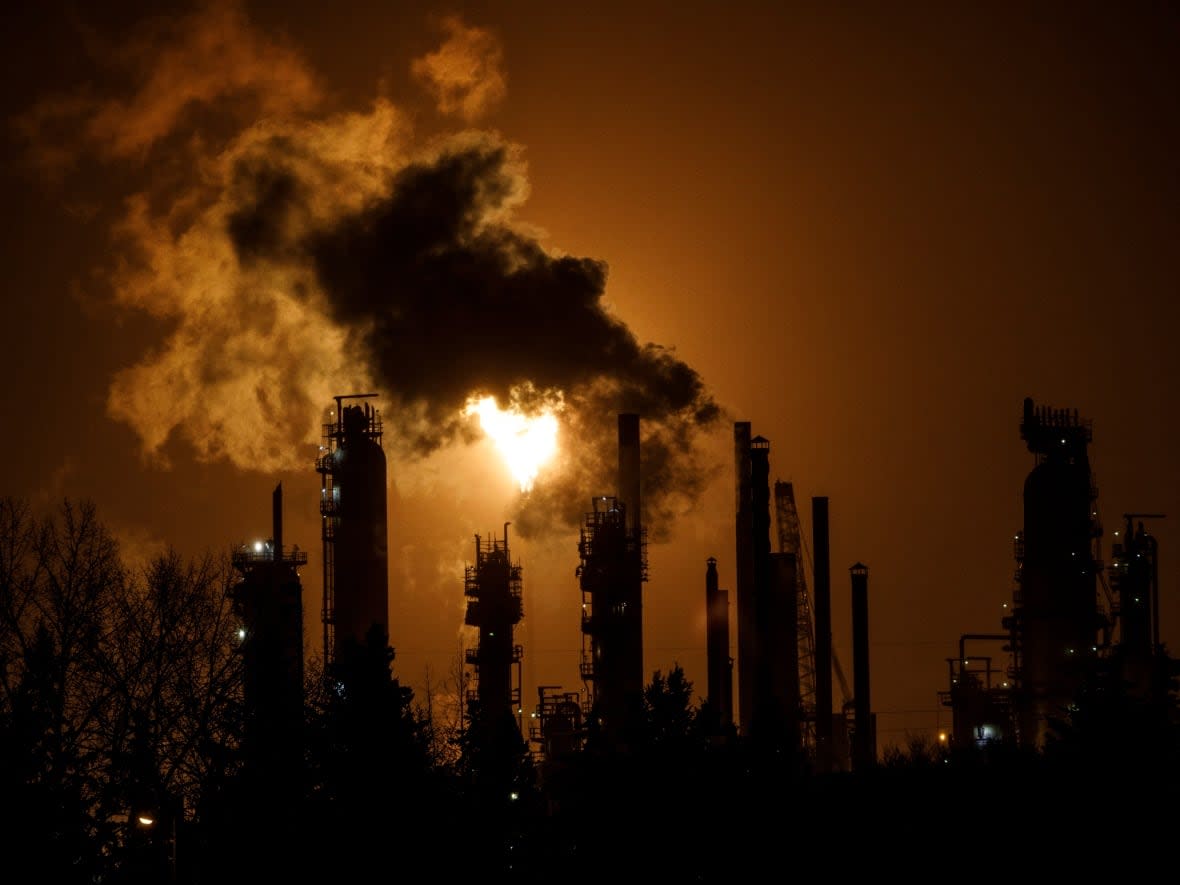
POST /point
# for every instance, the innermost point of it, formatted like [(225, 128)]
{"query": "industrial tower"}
[(768, 648), (613, 550), (1055, 620), (817, 658), (1058, 633), (355, 534), (719, 671), (1134, 578), (492, 587), (773, 719), (744, 571), (269, 601)]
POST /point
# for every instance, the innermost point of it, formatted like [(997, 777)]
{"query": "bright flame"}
[(526, 442)]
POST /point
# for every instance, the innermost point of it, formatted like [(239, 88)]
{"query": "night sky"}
[(871, 232)]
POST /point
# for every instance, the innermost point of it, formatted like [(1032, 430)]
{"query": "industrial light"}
[(146, 820)]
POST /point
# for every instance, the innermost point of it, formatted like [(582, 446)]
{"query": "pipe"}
[(277, 521)]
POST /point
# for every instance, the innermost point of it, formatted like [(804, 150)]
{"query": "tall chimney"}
[(744, 569), (719, 668), (823, 636), (783, 634), (276, 505), (864, 744)]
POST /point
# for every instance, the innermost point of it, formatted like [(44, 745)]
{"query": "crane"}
[(790, 540)]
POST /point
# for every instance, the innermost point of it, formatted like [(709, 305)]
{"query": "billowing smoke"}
[(306, 255), (445, 298), (464, 75)]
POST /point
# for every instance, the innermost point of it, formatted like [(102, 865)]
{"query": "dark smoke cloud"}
[(446, 299), (293, 250)]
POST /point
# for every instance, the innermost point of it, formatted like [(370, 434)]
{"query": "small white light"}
[(241, 633)]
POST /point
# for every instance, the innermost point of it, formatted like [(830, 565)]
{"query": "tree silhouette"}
[(670, 717), (373, 782), (112, 684)]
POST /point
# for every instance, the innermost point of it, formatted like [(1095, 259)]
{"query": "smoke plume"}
[(446, 298), (305, 254), (464, 75)]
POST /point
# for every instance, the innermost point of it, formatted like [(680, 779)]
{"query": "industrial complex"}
[(1072, 613)]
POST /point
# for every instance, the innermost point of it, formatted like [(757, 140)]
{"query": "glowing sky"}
[(871, 233)]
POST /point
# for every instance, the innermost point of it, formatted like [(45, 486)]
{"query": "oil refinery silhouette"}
[(1074, 621), (1057, 627)]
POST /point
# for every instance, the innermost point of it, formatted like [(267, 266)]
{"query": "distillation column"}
[(1134, 577), (354, 527), (269, 601), (1055, 620), (493, 591), (613, 551)]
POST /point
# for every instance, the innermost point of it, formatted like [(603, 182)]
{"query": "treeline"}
[(124, 756), (123, 727)]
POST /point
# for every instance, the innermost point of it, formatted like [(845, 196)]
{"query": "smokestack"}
[(763, 721), (276, 504), (744, 566), (783, 635), (629, 469), (864, 749), (719, 665), (823, 636)]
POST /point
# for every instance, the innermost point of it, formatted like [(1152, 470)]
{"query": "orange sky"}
[(870, 233)]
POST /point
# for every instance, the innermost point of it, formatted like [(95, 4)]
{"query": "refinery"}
[(1070, 609), (235, 753)]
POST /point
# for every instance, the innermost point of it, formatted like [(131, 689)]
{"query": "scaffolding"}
[(492, 585), (611, 574)]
